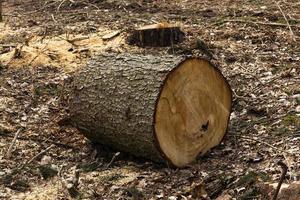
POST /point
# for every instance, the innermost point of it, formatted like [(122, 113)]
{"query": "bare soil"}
[(42, 43)]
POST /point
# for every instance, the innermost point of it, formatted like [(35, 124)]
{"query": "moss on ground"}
[(292, 120)]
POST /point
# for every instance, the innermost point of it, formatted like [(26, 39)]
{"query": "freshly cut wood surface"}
[(192, 111), (165, 108)]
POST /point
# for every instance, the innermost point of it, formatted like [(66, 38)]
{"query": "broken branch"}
[(8, 154), (287, 22), (284, 171), (260, 23), (39, 154)]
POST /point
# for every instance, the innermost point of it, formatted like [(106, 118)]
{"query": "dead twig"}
[(260, 141), (53, 18), (90, 4), (287, 22), (113, 159), (265, 143), (238, 96), (259, 23), (61, 3), (284, 171), (66, 146), (39, 154), (22, 166), (8, 154)]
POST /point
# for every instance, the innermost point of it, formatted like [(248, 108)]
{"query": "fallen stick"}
[(287, 22), (8, 154), (22, 166), (39, 154), (61, 3), (284, 171), (66, 146), (113, 159), (265, 143), (261, 23), (53, 18)]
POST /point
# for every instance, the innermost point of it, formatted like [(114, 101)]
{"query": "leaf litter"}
[(43, 43)]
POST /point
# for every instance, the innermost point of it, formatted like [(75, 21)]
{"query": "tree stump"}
[(156, 35), (158, 107)]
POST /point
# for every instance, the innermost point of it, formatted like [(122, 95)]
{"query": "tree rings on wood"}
[(192, 111)]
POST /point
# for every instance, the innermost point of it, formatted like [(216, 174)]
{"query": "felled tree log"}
[(158, 107), (156, 35)]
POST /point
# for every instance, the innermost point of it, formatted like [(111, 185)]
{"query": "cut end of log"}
[(192, 111), (156, 35), (156, 107)]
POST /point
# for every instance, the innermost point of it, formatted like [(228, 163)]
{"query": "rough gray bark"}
[(156, 36), (114, 99)]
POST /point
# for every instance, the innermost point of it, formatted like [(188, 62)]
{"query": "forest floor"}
[(42, 43)]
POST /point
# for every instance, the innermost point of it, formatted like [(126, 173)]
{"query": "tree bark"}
[(150, 106), (156, 35)]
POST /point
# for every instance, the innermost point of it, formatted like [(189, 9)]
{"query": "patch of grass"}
[(134, 193), (251, 181), (248, 18), (2, 67), (246, 180), (89, 167), (47, 171), (220, 21), (294, 22), (292, 90), (74, 193), (282, 130), (19, 185), (47, 89), (6, 179), (252, 193), (280, 20), (291, 120), (251, 178), (110, 177)]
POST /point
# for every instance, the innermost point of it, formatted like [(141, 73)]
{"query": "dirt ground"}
[(42, 43)]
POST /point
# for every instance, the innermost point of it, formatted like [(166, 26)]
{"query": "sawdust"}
[(63, 51), (119, 177)]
